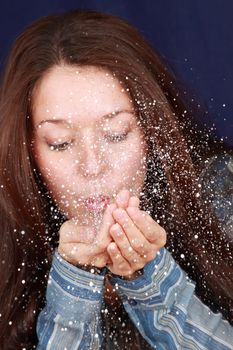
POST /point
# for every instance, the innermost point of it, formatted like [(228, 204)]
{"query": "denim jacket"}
[(161, 302)]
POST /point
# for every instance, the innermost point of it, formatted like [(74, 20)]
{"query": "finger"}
[(72, 233), (153, 232), (133, 202), (122, 199), (100, 260), (119, 265), (122, 242), (74, 253), (82, 254), (103, 237), (136, 238)]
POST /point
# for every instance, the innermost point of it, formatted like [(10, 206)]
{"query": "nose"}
[(92, 160)]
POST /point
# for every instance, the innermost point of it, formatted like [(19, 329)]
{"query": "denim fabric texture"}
[(161, 302)]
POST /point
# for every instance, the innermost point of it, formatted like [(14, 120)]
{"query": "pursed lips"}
[(96, 203)]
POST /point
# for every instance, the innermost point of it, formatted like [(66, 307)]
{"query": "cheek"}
[(130, 165), (53, 170)]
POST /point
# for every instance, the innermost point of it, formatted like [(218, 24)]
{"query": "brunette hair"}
[(30, 220)]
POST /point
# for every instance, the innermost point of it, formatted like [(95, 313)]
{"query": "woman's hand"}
[(136, 239), (127, 240), (79, 245)]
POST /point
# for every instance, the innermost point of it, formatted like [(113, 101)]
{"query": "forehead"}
[(78, 94)]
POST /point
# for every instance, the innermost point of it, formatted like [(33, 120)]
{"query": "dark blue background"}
[(194, 36)]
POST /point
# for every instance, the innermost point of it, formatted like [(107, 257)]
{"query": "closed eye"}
[(114, 138), (60, 147)]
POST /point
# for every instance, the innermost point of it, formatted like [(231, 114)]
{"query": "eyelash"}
[(110, 138), (58, 147), (116, 137)]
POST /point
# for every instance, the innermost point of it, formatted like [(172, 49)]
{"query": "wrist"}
[(85, 267), (135, 275), (92, 269)]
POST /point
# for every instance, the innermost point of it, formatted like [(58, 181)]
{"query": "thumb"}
[(70, 232), (133, 202), (103, 236)]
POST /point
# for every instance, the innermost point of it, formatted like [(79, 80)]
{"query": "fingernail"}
[(123, 195), (111, 207), (134, 201), (132, 211), (112, 246), (116, 230), (119, 213)]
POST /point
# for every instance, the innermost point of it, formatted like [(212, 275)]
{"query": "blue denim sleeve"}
[(163, 306), (71, 317)]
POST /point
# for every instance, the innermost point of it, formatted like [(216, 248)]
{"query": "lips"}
[(96, 203)]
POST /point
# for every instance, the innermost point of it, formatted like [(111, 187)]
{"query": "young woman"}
[(100, 161)]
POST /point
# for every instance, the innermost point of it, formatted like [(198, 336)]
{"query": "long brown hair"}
[(30, 220)]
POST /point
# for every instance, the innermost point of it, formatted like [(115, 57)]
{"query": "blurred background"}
[(194, 37)]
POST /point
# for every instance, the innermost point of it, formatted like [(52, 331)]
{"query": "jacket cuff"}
[(73, 292), (154, 285)]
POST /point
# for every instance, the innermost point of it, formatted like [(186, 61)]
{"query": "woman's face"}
[(87, 143)]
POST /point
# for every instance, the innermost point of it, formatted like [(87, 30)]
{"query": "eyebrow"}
[(106, 116)]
